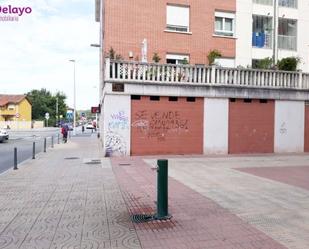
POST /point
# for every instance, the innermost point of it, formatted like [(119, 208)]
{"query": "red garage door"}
[(166, 125), (307, 128), (251, 126)]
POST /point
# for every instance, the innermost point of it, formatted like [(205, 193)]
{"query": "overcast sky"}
[(35, 51)]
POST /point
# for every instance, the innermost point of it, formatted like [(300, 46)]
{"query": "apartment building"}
[(172, 108), (257, 38), (184, 30), (177, 30)]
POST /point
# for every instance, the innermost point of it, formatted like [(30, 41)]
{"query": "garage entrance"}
[(166, 125), (251, 126)]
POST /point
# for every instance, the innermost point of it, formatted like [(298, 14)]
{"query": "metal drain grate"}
[(94, 161), (71, 158), (140, 218), (124, 164)]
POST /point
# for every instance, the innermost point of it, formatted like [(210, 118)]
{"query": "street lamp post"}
[(57, 116), (74, 113)]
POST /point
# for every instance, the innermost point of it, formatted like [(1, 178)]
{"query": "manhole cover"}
[(140, 218), (71, 158)]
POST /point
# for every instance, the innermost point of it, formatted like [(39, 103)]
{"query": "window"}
[(282, 3), (11, 107), (288, 3), (136, 97), (224, 23), (287, 34), (154, 98), (177, 59), (173, 99), (177, 18), (262, 31), (190, 99)]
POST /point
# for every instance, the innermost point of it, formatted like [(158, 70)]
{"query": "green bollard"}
[(33, 150), (44, 144), (15, 159), (162, 190)]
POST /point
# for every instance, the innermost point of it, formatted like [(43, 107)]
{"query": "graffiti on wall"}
[(283, 129), (159, 123), (115, 142), (118, 121)]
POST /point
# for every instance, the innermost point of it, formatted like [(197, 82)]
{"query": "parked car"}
[(4, 135), (89, 126)]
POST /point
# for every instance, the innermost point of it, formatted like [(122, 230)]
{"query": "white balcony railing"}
[(265, 2), (123, 71)]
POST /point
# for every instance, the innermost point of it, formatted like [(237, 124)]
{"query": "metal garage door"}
[(166, 125), (251, 126)]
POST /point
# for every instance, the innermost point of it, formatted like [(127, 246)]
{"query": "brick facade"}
[(127, 23)]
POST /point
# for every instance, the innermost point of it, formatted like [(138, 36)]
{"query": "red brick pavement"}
[(197, 222), (297, 176)]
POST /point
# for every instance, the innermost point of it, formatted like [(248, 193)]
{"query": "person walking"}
[(64, 131)]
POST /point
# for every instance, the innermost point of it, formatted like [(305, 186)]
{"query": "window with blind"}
[(224, 23), (177, 18)]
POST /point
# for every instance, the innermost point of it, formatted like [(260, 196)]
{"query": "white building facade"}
[(255, 34)]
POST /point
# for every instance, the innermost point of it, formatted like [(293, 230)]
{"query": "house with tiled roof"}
[(15, 108)]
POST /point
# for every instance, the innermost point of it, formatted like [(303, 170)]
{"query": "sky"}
[(35, 50)]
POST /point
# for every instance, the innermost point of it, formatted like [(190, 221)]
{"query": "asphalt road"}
[(24, 143), (24, 148)]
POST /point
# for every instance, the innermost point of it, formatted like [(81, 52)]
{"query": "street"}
[(23, 141)]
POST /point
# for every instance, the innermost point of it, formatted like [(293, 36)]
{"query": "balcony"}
[(282, 3), (261, 40), (288, 3), (265, 2), (189, 75), (287, 42)]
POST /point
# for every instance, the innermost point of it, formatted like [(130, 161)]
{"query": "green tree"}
[(44, 101)]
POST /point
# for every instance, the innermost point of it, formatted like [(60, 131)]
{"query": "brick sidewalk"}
[(197, 222), (52, 203), (70, 198)]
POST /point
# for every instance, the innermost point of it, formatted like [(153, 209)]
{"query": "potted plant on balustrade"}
[(212, 56)]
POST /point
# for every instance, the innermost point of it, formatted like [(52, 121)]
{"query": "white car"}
[(4, 135), (89, 126)]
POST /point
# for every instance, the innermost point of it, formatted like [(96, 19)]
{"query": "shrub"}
[(288, 63), (213, 54), (265, 63), (156, 58), (112, 55)]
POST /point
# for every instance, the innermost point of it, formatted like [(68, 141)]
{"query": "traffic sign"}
[(95, 109), (47, 115)]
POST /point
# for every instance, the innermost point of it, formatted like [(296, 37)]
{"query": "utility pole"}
[(275, 31), (74, 92)]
